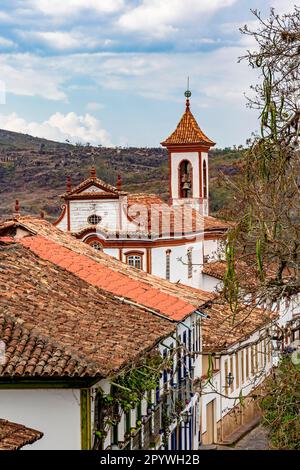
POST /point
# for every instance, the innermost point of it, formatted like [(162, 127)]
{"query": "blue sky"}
[(113, 72)]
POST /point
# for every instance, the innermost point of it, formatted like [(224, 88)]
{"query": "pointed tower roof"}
[(187, 131)]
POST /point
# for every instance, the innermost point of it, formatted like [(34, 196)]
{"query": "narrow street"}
[(257, 439)]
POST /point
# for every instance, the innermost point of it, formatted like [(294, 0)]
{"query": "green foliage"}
[(281, 406), (131, 386), (231, 284)]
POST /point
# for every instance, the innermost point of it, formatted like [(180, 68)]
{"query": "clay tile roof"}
[(110, 274), (219, 331), (55, 323), (14, 436), (187, 132), (103, 277)]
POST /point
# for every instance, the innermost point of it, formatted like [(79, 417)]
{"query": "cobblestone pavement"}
[(257, 439)]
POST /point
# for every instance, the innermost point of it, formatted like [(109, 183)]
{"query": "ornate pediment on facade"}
[(92, 187)]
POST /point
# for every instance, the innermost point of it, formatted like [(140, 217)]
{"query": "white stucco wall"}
[(224, 404), (55, 412), (209, 283), (108, 209), (179, 269)]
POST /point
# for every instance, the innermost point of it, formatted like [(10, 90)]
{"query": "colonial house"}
[(240, 358), (82, 318), (287, 311), (62, 336), (236, 360), (168, 240)]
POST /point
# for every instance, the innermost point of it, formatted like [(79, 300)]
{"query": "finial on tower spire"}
[(188, 93)]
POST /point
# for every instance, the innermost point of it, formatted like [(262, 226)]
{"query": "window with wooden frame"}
[(135, 259), (232, 374), (256, 357), (168, 263), (237, 370), (242, 366), (247, 363), (226, 376), (190, 263), (252, 359)]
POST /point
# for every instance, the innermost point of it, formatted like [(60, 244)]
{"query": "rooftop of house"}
[(174, 301), (246, 270), (54, 323), (194, 219), (224, 329), (13, 436), (187, 131), (116, 280)]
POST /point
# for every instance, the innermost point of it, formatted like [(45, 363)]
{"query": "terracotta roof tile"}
[(187, 132), (219, 331), (54, 323), (105, 278), (14, 436)]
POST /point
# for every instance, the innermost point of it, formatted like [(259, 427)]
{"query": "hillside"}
[(34, 171)]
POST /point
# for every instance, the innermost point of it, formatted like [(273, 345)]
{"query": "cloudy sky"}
[(113, 72)]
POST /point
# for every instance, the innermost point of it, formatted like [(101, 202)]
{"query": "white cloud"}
[(283, 6), (29, 75), (6, 43), (74, 7), (160, 18), (66, 40), (60, 127)]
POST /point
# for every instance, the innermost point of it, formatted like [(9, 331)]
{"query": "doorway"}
[(210, 422)]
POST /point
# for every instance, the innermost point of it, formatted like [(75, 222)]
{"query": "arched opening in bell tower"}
[(185, 179)]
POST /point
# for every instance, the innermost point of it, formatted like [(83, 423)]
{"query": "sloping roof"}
[(187, 132), (13, 436), (221, 330), (105, 278), (198, 222), (246, 270), (189, 296), (56, 324)]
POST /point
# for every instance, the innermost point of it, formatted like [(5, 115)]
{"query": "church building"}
[(170, 240)]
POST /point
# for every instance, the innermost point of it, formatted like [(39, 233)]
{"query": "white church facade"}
[(170, 240)]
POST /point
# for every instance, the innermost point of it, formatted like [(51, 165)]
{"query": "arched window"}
[(204, 179), (185, 179)]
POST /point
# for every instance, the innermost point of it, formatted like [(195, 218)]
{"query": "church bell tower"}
[(188, 150)]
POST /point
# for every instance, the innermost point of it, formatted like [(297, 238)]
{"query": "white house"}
[(87, 317)]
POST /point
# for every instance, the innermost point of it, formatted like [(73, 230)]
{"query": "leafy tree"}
[(267, 194), (281, 406)]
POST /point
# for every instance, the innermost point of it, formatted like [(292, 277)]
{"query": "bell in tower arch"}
[(185, 173)]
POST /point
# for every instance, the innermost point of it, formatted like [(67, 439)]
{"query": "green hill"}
[(34, 171)]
